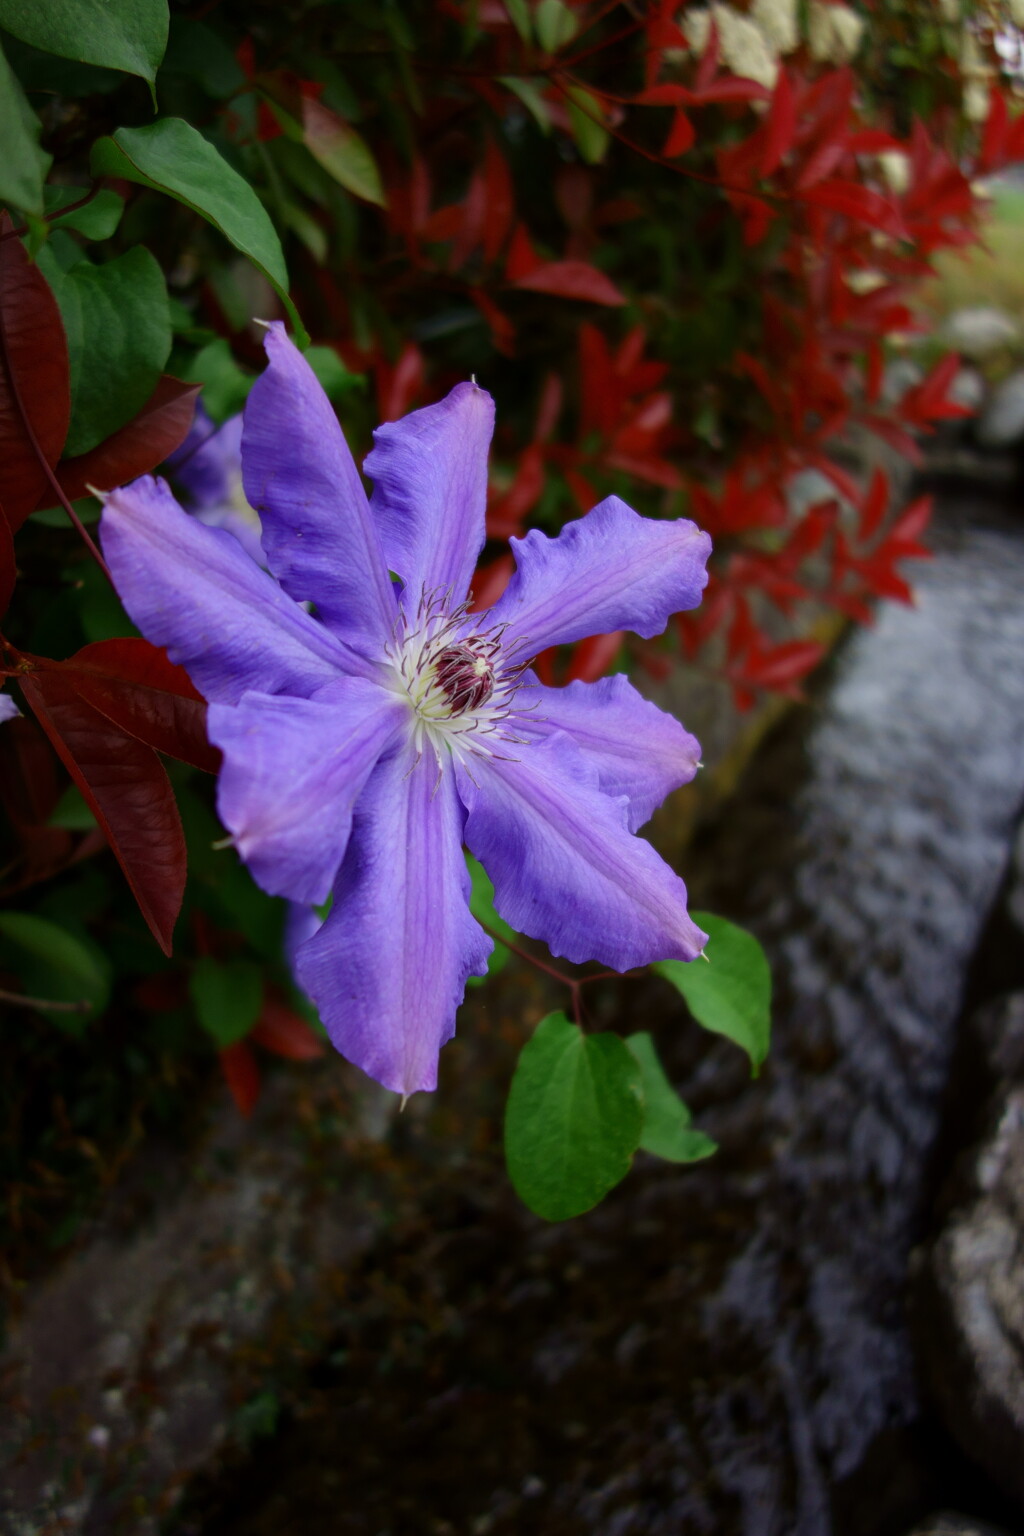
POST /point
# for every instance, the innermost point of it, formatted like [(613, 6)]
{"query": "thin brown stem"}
[(50, 1003)]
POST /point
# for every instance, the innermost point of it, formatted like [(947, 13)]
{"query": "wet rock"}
[(1001, 423), (972, 1329), (980, 331)]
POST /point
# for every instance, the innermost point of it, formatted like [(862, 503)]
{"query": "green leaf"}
[(588, 130), (519, 15), (228, 996), (23, 165), (226, 386), (573, 1118), (556, 25), (666, 1131), (173, 157), (57, 966), (119, 336), (130, 35), (481, 904), (334, 377), (529, 93), (71, 811), (96, 220), (732, 993), (343, 153)]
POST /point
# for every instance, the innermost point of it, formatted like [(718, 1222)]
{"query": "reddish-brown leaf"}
[(8, 570), (284, 1032), (780, 125), (242, 1076), (140, 691), (993, 139), (126, 788), (500, 205), (35, 394), (522, 259), (136, 448), (680, 136), (858, 203), (572, 280)]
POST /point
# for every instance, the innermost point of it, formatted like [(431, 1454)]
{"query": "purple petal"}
[(293, 770), (609, 570), (209, 462), (637, 749), (429, 474), (194, 590), (318, 534), (564, 865), (8, 708), (388, 968)]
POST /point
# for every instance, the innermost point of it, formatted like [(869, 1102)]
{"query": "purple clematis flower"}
[(364, 746), (207, 469), (8, 708)]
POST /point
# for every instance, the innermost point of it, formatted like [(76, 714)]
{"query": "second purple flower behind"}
[(364, 746)]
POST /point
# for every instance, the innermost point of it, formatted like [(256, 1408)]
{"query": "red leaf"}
[(136, 448), (284, 1032), (874, 506), (522, 259), (993, 140), (680, 136), (572, 280), (499, 206), (242, 1076), (35, 395), (858, 203), (126, 788), (592, 657), (144, 694), (8, 570), (781, 124)]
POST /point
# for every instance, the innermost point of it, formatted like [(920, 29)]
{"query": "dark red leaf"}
[(858, 203), (499, 206), (874, 505), (35, 394), (993, 139), (522, 259), (781, 124), (126, 788), (572, 280), (141, 692), (8, 570), (592, 657), (242, 1076), (284, 1032), (680, 136), (136, 448)]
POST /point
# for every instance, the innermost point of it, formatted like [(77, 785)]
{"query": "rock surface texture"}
[(719, 1351), (972, 1335)]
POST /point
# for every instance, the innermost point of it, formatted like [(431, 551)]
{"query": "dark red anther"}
[(466, 676)]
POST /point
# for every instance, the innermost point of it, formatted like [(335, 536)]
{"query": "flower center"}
[(465, 676), (461, 683)]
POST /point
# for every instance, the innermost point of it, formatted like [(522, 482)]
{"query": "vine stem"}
[(575, 984), (44, 1002)]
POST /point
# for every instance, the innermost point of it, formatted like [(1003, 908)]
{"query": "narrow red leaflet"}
[(500, 205), (730, 89), (572, 280), (781, 124), (8, 569), (126, 788), (242, 1076), (141, 692), (134, 449), (993, 140), (873, 507), (856, 202), (681, 136), (522, 259), (282, 1031), (35, 393), (592, 657)]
